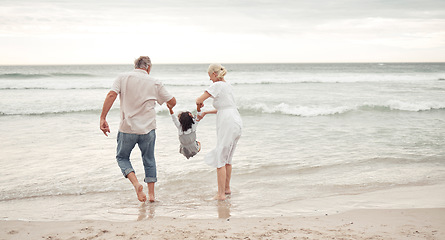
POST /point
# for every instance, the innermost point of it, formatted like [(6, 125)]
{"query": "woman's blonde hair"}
[(218, 69)]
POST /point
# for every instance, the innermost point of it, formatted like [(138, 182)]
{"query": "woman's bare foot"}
[(140, 192), (228, 192), (220, 198)]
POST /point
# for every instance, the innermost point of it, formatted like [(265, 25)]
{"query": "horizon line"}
[(80, 64)]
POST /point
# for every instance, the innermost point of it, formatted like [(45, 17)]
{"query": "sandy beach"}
[(357, 224)]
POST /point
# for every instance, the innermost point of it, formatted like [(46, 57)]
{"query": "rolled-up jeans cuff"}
[(150, 179), (127, 171)]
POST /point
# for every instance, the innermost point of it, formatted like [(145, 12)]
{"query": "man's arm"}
[(109, 100), (171, 103)]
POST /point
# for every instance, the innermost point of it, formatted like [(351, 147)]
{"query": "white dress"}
[(228, 124)]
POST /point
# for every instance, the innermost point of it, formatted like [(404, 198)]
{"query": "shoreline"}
[(124, 207), (415, 223)]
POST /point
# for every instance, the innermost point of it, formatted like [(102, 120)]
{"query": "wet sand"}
[(356, 224)]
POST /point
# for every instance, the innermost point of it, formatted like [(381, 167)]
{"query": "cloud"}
[(409, 33), (239, 29)]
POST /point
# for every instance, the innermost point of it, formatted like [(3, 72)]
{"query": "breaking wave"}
[(313, 111)]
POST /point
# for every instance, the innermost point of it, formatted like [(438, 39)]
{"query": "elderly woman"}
[(228, 126)]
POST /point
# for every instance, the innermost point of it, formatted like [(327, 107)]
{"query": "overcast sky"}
[(231, 31)]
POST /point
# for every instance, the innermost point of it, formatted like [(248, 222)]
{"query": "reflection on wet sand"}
[(224, 209), (146, 211)]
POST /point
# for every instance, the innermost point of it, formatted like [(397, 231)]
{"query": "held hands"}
[(199, 106), (200, 115), (170, 108)]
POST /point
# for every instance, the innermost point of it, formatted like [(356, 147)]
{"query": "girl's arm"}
[(176, 121), (174, 117)]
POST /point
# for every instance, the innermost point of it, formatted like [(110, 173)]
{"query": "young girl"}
[(186, 124)]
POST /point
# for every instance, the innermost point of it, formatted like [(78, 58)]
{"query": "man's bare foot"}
[(151, 191), (228, 192), (151, 197), (140, 192)]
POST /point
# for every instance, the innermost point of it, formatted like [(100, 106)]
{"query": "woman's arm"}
[(200, 100), (214, 111), (201, 116)]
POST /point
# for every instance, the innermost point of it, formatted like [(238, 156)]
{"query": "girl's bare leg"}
[(221, 174), (228, 176), (137, 187)]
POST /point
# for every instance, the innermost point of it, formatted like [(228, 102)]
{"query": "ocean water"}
[(317, 139)]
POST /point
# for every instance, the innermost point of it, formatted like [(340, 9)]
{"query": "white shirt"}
[(138, 94), (222, 94)]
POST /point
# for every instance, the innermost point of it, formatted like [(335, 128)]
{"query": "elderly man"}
[(138, 94)]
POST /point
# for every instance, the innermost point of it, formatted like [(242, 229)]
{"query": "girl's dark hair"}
[(186, 121)]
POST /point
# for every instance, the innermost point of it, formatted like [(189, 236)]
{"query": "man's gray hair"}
[(142, 62)]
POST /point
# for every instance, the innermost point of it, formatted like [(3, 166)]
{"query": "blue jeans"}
[(146, 143)]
